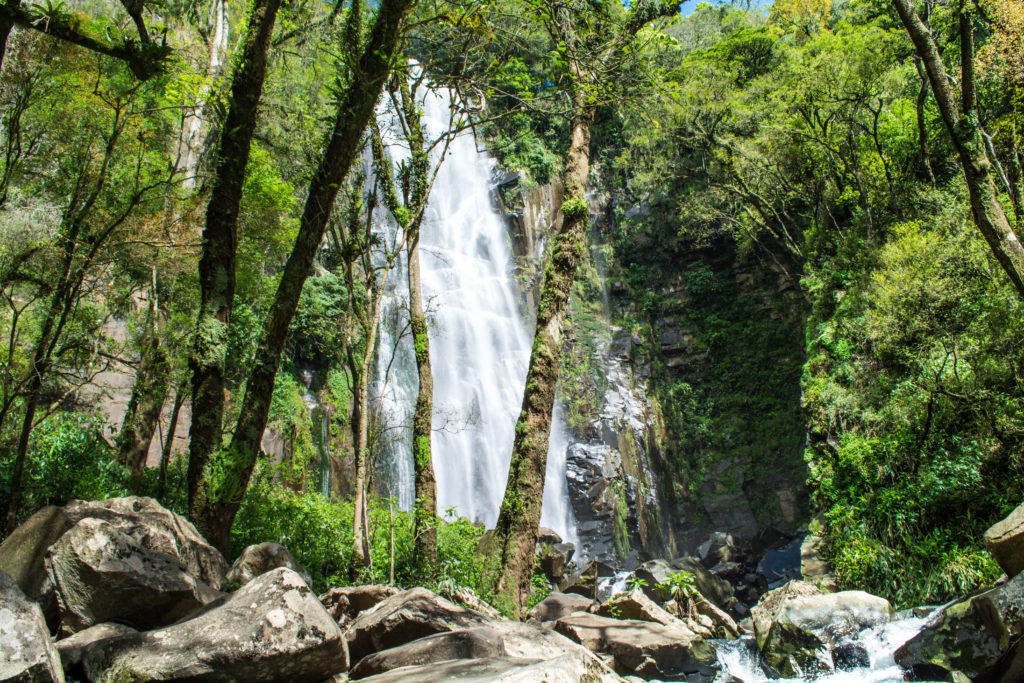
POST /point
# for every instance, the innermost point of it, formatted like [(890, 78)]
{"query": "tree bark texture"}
[(147, 401), (515, 535), (217, 262)]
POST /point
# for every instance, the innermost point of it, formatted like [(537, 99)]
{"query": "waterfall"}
[(479, 345)]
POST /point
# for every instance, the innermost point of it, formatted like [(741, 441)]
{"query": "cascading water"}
[(479, 346), (740, 659)]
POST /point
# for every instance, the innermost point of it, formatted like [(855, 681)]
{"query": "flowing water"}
[(479, 345), (741, 661)]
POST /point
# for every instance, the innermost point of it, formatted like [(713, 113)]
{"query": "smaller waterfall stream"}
[(479, 345)]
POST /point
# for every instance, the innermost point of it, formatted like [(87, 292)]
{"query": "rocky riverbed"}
[(125, 590)]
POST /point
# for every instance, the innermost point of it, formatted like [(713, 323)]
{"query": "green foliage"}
[(636, 583), (67, 459), (678, 586), (318, 531), (915, 415)]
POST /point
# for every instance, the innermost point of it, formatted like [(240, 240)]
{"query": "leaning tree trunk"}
[(425, 507), (216, 510), (165, 454), (965, 131), (515, 535), (144, 407), (217, 263)]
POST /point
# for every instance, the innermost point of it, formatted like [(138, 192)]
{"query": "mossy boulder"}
[(977, 636), (810, 634)]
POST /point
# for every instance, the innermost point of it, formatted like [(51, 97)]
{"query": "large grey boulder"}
[(586, 580), (405, 617), (554, 559), (768, 607), (27, 654), (558, 605), (979, 636), (472, 643), (811, 634), (22, 557), (103, 574), (261, 558), (271, 629), (1005, 540), (713, 588), (643, 648), (25, 554), (159, 530)]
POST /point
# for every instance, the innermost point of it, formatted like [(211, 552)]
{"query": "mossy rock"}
[(975, 636)]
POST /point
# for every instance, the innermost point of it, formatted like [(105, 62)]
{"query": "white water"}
[(740, 659), (479, 346)]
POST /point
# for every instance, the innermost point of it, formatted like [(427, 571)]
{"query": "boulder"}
[(271, 629), (809, 634), (261, 558), (722, 625), (562, 669), (558, 605), (635, 605), (770, 604), (585, 581), (461, 595), (22, 558), (554, 559), (162, 533), (27, 654), (548, 536), (643, 648), (1005, 540), (345, 603), (404, 617), (103, 574), (159, 530), (979, 636), (72, 649), (473, 643), (719, 547), (714, 589)]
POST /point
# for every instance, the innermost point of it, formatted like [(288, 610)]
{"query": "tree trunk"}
[(922, 126), (515, 535), (425, 508), (361, 438), (165, 455), (216, 511), (217, 263), (965, 132), (144, 407)]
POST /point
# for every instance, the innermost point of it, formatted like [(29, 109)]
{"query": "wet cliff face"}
[(725, 340), (681, 379)]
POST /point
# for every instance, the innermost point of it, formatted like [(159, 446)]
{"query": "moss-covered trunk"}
[(425, 547), (515, 535), (217, 264), (355, 108), (144, 406)]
